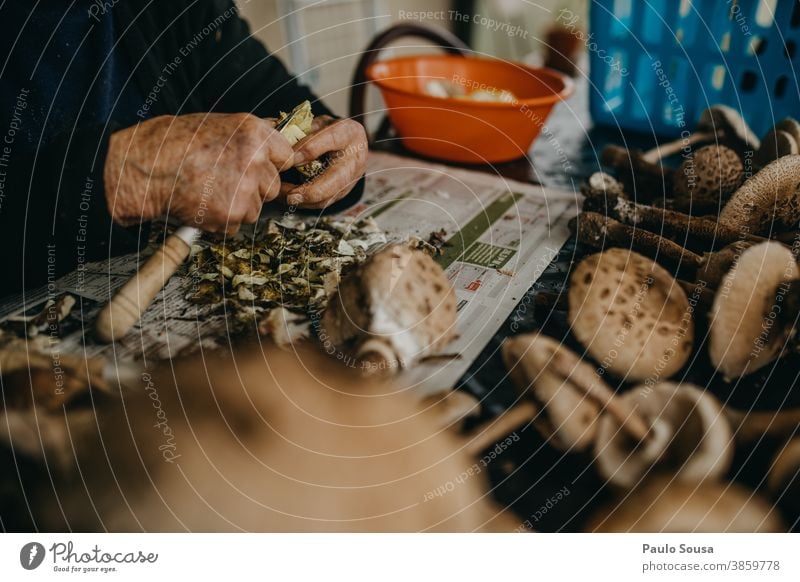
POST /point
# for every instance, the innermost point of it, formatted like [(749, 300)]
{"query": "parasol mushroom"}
[(691, 438), (768, 202), (782, 140), (776, 144), (665, 506), (568, 392), (707, 179), (754, 310), (631, 315), (600, 232), (395, 309)]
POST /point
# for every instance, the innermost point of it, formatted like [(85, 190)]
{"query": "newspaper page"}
[(499, 236)]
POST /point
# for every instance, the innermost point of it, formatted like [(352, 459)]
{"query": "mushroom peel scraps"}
[(569, 392), (690, 438), (749, 323), (396, 308), (631, 315)]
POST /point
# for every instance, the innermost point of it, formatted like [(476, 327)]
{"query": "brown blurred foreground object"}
[(662, 505), (260, 442)]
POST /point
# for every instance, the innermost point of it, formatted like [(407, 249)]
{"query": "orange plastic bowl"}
[(461, 130)]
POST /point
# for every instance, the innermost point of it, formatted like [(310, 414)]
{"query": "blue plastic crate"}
[(656, 64)]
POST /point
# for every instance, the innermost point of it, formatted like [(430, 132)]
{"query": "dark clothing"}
[(170, 57), (67, 69)]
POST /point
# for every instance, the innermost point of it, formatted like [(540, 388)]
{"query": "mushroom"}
[(783, 481), (690, 437), (599, 231), (719, 123), (782, 140), (631, 315), (768, 202), (707, 179), (666, 506), (451, 408), (601, 185), (699, 233), (754, 310), (749, 425), (568, 392), (641, 177), (776, 144), (395, 309)]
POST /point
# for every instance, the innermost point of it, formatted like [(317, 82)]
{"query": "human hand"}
[(209, 170), (345, 142)]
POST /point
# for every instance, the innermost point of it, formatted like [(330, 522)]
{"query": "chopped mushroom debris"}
[(294, 265)]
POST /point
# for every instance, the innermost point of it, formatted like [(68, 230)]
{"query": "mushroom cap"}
[(725, 119), (712, 174), (776, 144), (770, 195), (548, 371), (631, 315), (665, 506), (398, 303), (691, 437), (745, 332), (791, 126)]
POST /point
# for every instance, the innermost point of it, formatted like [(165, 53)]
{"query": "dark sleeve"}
[(241, 75), (53, 211)]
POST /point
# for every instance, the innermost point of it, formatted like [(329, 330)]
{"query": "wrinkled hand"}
[(209, 170), (346, 143)]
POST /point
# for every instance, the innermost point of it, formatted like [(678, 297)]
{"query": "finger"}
[(253, 211), (340, 135), (338, 179), (275, 145), (269, 185)]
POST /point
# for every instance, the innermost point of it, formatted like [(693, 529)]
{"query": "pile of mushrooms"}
[(736, 189), (625, 402)]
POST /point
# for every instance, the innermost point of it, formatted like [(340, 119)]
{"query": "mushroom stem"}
[(626, 416), (666, 150), (487, 434), (700, 233), (600, 231), (640, 178), (751, 426)]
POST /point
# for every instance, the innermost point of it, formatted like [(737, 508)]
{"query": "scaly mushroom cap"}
[(711, 175), (398, 305), (776, 144), (631, 315), (770, 195), (725, 119), (548, 371), (691, 437), (662, 505), (745, 333)]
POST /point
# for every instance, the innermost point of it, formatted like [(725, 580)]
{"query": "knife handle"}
[(120, 314)]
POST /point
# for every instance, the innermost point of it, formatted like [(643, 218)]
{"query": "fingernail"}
[(299, 158), (294, 199)]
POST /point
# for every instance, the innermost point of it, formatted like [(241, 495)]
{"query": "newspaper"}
[(500, 236)]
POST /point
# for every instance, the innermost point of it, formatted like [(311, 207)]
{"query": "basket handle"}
[(358, 87)]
